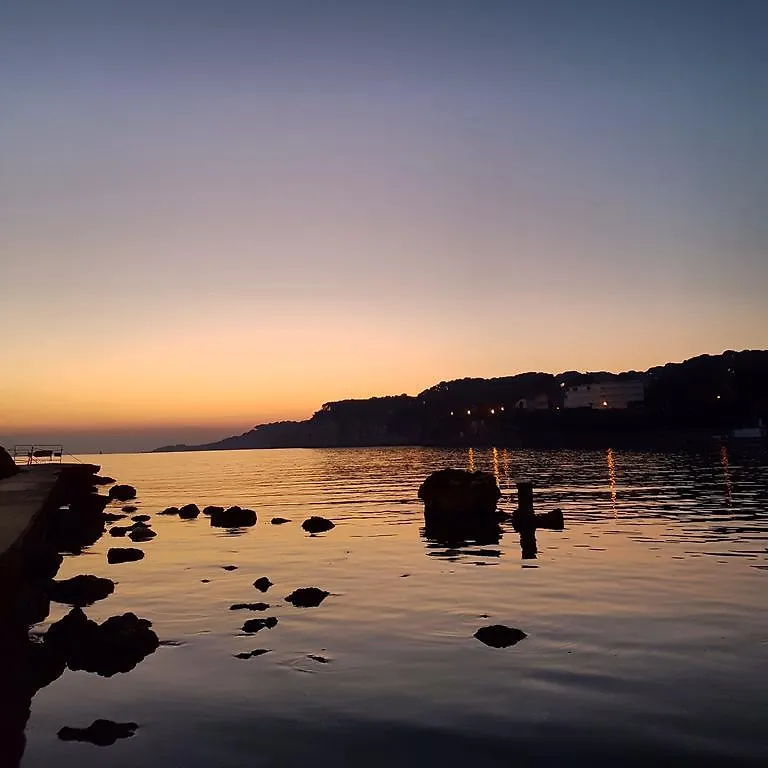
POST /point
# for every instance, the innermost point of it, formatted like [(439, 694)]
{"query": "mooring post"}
[(525, 498)]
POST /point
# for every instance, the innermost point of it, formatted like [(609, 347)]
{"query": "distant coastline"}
[(675, 405)]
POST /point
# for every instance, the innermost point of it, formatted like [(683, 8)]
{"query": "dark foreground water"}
[(647, 618)]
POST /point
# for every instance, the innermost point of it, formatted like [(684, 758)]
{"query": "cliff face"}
[(706, 394)]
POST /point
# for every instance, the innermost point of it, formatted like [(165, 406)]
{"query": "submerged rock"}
[(316, 524), (141, 518), (102, 480), (102, 733), (456, 493), (128, 508), (252, 654), (233, 517), (189, 511), (499, 636), (169, 511), (210, 509), (122, 492), (229, 567), (262, 584), (307, 597), (256, 625), (141, 534), (249, 607), (319, 659), (124, 555), (120, 530), (113, 517), (80, 590), (279, 520)]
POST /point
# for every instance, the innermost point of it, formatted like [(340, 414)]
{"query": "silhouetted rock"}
[(552, 520), (129, 508), (209, 510), (103, 480), (280, 520), (80, 590), (456, 493), (141, 534), (229, 567), (77, 524), (249, 607), (316, 524), (307, 597), (170, 511), (122, 492), (252, 654), (116, 645), (41, 564), (499, 636), (233, 517), (256, 625), (113, 517), (189, 511), (120, 530), (262, 584), (8, 466), (141, 518), (102, 733), (124, 555)]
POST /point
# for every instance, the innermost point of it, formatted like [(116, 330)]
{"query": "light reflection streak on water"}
[(471, 459), (611, 478), (726, 474), (496, 465)]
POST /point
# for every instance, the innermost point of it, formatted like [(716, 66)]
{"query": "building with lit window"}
[(608, 394)]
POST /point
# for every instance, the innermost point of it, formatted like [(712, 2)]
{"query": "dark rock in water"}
[(122, 492), (209, 510), (102, 733), (316, 524), (102, 480), (499, 636), (229, 567), (80, 590), (124, 555), (42, 564), (307, 597), (262, 584), (280, 520), (552, 520), (249, 607), (129, 508), (79, 524), (116, 645), (189, 511), (319, 659), (457, 493), (120, 530), (142, 534), (205, 581), (256, 625), (8, 466), (233, 517), (113, 517), (141, 518), (169, 511), (252, 654), (40, 665)]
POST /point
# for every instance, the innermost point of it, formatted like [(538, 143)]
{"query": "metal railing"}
[(38, 454)]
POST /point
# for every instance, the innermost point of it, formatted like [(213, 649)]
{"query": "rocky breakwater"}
[(55, 510)]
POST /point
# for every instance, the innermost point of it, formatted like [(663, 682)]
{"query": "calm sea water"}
[(647, 618)]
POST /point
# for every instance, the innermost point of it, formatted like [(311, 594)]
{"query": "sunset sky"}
[(214, 214)]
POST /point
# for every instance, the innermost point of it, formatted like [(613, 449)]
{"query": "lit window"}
[(493, 411), (605, 404)]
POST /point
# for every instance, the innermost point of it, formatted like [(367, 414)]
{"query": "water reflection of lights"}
[(505, 462), (496, 465), (726, 473), (611, 477), (471, 460)]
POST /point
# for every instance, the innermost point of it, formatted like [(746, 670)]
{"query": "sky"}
[(215, 214)]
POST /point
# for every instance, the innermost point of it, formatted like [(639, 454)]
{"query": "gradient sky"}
[(216, 214)]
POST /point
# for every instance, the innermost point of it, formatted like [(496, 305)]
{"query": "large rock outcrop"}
[(456, 494), (8, 466)]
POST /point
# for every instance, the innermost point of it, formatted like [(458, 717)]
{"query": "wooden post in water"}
[(524, 519)]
